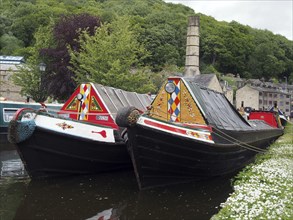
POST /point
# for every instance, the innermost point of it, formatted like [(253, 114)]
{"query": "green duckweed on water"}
[(264, 189)]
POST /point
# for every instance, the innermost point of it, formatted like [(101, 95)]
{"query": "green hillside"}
[(150, 33)]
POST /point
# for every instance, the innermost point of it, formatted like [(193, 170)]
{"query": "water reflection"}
[(113, 196), (13, 181), (10, 164)]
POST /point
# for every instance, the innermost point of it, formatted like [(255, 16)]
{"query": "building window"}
[(260, 101), (270, 95), (281, 103), (265, 102), (270, 102), (281, 96), (275, 95), (287, 103), (260, 93), (287, 96)]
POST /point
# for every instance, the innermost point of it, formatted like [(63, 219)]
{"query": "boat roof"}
[(217, 110), (116, 99)]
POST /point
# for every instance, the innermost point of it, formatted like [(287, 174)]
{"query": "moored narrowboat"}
[(82, 139), (191, 132)]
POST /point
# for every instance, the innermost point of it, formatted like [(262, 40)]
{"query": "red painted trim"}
[(174, 129), (209, 128), (19, 111)]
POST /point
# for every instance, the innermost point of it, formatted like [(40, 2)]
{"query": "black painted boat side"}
[(161, 158), (47, 153)]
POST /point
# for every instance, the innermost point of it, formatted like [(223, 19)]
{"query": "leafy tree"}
[(264, 63), (30, 81), (164, 36), (111, 57), (59, 80), (29, 77), (27, 19), (209, 69), (10, 44), (226, 46), (5, 22)]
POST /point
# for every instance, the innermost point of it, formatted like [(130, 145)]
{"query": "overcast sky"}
[(273, 15)]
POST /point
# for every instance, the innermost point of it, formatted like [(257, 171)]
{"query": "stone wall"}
[(8, 90), (249, 96)]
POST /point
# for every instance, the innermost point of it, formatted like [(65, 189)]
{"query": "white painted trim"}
[(88, 131)]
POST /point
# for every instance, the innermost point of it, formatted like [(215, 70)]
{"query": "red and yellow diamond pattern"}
[(85, 91), (174, 102)]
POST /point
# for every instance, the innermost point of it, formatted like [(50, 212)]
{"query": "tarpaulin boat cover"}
[(217, 110), (116, 99)]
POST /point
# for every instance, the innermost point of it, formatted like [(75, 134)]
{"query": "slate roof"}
[(267, 89), (11, 59), (202, 79)]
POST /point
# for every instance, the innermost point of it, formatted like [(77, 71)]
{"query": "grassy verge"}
[(264, 189)]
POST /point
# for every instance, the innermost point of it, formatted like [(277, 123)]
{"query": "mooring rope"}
[(226, 137), (240, 143)]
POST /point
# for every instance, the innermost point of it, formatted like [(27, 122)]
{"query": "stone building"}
[(239, 81), (264, 97), (209, 80), (289, 89), (228, 91), (8, 66)]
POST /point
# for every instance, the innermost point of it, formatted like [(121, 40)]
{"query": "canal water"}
[(98, 197)]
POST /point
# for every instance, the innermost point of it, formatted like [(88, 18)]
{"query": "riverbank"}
[(264, 189)]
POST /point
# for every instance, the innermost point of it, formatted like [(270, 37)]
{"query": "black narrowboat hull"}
[(48, 153), (162, 158)]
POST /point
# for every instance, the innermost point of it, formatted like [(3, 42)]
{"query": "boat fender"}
[(19, 131), (127, 116)]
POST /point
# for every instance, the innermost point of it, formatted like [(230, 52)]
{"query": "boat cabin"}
[(99, 104), (183, 101)]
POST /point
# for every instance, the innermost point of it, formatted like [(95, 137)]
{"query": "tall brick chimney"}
[(192, 47)]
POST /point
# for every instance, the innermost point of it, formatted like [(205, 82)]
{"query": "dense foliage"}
[(108, 57), (158, 31), (59, 77)]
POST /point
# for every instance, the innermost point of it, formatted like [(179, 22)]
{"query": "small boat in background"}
[(270, 117), (9, 108), (191, 132), (82, 138)]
